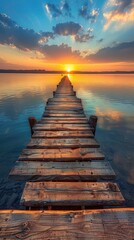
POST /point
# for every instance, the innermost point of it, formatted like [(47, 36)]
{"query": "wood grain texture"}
[(62, 171), (109, 224), (62, 127), (67, 101), (64, 99), (75, 118), (57, 121), (63, 134), (89, 194), (68, 111), (62, 155), (63, 120), (66, 104), (61, 95), (71, 104), (63, 143), (65, 115)]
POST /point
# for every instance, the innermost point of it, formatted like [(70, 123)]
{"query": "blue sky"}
[(88, 33)]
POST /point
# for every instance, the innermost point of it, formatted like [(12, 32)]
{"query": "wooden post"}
[(93, 122), (32, 121)]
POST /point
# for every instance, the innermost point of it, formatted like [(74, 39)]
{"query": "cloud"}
[(61, 52), (24, 39), (109, 113), (83, 11), (67, 28), (123, 52), (12, 34), (52, 10), (100, 40), (94, 14), (29, 40), (6, 21), (120, 5), (121, 11), (83, 38), (5, 64), (73, 29), (65, 8), (45, 36), (86, 12)]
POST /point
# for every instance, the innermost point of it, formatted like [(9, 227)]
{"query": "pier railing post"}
[(93, 122), (32, 121)]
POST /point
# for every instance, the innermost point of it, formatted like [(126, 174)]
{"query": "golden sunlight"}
[(69, 68)]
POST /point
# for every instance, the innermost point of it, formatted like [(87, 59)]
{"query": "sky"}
[(84, 35)]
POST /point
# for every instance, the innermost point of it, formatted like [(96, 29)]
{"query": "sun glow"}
[(69, 68)]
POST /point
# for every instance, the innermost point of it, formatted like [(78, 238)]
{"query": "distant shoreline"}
[(64, 72)]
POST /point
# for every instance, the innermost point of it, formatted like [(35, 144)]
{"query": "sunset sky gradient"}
[(89, 35)]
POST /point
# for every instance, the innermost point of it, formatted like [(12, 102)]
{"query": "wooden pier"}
[(71, 190)]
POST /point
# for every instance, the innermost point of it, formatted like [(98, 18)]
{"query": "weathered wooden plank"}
[(62, 127), (61, 154), (59, 171), (55, 101), (108, 224), (63, 143), (65, 105), (74, 119), (64, 87), (65, 115), (64, 99), (63, 134), (63, 94), (65, 121), (65, 111), (60, 108), (67, 85), (88, 194), (65, 90), (67, 166), (73, 186)]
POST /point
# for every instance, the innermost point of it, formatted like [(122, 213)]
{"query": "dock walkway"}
[(65, 169), (63, 163)]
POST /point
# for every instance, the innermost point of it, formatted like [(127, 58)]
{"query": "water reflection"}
[(110, 97), (21, 96)]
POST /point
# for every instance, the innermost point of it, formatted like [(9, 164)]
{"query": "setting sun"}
[(69, 68)]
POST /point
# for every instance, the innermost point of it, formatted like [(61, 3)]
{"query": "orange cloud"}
[(118, 11), (112, 114), (121, 18)]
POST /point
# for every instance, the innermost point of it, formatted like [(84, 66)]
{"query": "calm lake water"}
[(110, 97)]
